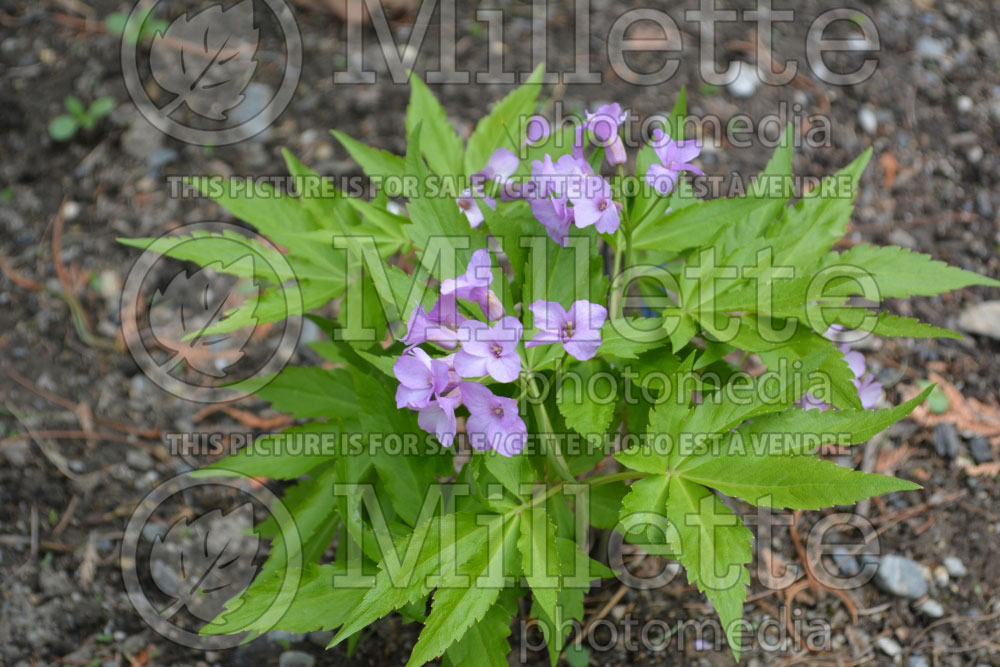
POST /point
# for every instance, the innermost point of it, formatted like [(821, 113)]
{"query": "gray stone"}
[(889, 646), (931, 608), (917, 660), (867, 120), (955, 567), (845, 562), (138, 459), (746, 82), (979, 448), (296, 659), (945, 439), (901, 237), (981, 318), (928, 47), (901, 577)]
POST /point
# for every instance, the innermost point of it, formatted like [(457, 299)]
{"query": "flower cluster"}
[(565, 191), (437, 386)]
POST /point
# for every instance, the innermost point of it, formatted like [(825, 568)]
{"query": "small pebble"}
[(867, 120), (71, 210), (889, 646), (964, 104), (941, 576), (745, 83), (945, 440), (979, 447), (900, 576), (931, 608), (296, 659), (955, 567), (975, 154), (917, 661)]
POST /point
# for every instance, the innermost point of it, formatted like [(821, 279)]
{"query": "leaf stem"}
[(552, 452)]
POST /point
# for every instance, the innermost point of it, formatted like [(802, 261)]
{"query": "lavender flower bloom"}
[(470, 207), (438, 327), (675, 157), (493, 421), (474, 285), (420, 378), (439, 418), (595, 206), (487, 351), (869, 390), (499, 168), (579, 329), (556, 216), (604, 124), (536, 129)]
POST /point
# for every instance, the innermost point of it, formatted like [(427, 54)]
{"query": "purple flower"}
[(468, 205), (439, 418), (493, 421), (595, 206), (675, 157), (579, 329), (438, 327), (420, 379), (869, 390), (487, 351), (500, 166), (536, 129), (604, 124), (556, 215), (474, 285)]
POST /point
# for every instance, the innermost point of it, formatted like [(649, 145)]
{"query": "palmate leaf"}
[(377, 164), (315, 591), (797, 482), (715, 549), (491, 131), (809, 229), (428, 551), (459, 607), (285, 455), (441, 146), (303, 391), (897, 272), (485, 642)]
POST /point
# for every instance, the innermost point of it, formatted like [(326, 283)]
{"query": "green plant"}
[(631, 417), (144, 26), (65, 127)]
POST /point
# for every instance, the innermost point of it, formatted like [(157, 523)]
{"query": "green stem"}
[(552, 452), (599, 480)]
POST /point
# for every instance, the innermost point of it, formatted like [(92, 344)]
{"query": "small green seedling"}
[(143, 28), (65, 127)]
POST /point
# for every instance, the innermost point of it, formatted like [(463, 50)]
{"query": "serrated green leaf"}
[(792, 482), (897, 272), (311, 392), (715, 550), (377, 164), (458, 608), (441, 146), (490, 132)]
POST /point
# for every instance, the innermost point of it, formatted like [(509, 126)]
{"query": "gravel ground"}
[(930, 111)]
